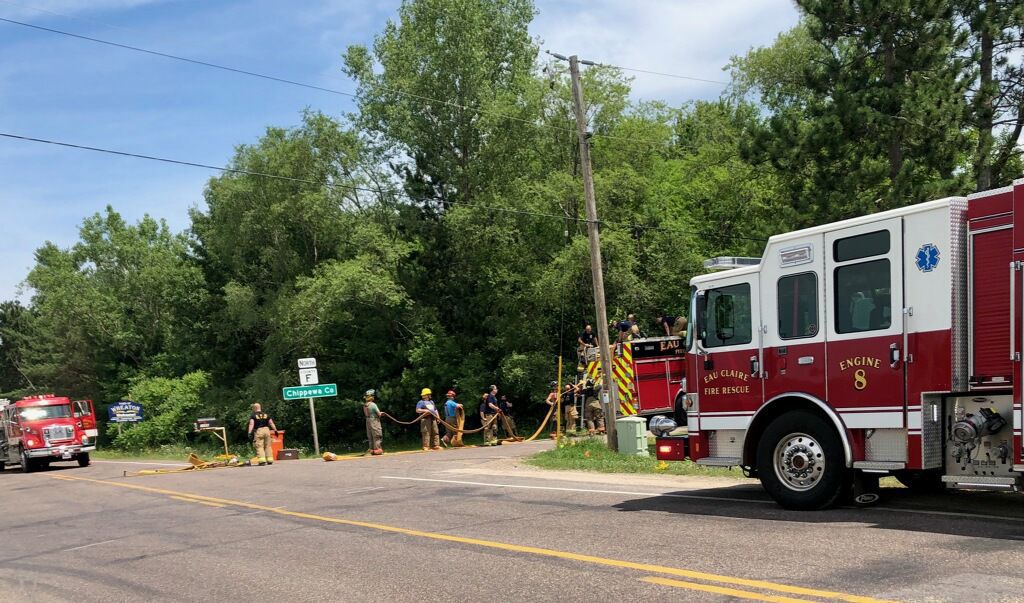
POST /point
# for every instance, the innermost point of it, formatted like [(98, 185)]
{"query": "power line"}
[(673, 75), (281, 80), (65, 15), (352, 187), (596, 64)]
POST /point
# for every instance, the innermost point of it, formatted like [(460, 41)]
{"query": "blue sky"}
[(66, 89)]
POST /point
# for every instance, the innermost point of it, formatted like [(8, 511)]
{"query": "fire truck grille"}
[(56, 433)]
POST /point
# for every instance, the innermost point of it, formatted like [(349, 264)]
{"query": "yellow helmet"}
[(425, 392)]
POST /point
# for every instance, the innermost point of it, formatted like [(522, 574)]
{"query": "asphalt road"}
[(472, 525)]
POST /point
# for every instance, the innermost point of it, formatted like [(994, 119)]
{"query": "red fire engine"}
[(38, 430), (885, 344), (649, 374)]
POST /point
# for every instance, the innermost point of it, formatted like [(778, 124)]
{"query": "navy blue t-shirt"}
[(487, 405)]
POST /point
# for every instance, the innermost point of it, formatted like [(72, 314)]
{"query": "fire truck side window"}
[(863, 297), (861, 246), (728, 317), (798, 306)]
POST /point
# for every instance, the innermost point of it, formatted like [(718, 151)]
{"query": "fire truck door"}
[(793, 309), (865, 336), (728, 380)]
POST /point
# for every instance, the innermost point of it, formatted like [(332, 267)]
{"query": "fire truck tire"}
[(921, 482), (83, 459), (800, 462), (1, 466), (27, 465)]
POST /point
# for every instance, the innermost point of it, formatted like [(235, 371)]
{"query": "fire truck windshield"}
[(35, 413)]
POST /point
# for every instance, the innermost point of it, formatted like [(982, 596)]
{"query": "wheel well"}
[(779, 406)]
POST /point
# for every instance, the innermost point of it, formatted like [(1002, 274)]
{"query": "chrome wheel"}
[(799, 462)]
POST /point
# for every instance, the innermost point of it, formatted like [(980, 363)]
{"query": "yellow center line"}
[(644, 567), (721, 590), (202, 502)]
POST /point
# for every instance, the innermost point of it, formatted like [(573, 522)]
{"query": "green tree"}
[(118, 304), (874, 120), (447, 68), (15, 324)]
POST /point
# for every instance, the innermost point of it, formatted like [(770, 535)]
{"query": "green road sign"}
[(326, 390)]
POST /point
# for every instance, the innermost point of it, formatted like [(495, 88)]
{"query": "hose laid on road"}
[(195, 464)]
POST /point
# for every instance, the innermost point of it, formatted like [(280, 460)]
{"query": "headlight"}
[(661, 426)]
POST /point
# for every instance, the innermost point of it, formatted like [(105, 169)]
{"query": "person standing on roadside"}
[(508, 424), (451, 412), (260, 426), (428, 420), (374, 432), (489, 410), (569, 408), (552, 401), (593, 412)]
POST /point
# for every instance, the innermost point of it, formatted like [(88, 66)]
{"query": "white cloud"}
[(686, 37)]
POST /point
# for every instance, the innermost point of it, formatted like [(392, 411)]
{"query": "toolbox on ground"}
[(288, 454)]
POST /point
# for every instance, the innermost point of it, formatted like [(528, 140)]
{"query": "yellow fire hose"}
[(195, 464)]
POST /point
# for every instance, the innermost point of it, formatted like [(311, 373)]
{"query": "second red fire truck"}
[(885, 344), (38, 430)]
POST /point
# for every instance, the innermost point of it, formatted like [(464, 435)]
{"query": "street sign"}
[(124, 411), (308, 376), (307, 363), (327, 390)]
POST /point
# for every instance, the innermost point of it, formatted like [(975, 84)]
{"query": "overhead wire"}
[(352, 187), (291, 82), (663, 74)]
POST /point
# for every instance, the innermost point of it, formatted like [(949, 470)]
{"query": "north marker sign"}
[(326, 390)]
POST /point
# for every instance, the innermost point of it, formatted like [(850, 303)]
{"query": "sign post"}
[(312, 417), (310, 389)]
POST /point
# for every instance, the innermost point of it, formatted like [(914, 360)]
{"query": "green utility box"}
[(632, 435)]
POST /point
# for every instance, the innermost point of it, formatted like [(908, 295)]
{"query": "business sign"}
[(307, 363), (326, 390), (124, 411)]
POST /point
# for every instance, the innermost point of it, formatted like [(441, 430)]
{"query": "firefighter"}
[(569, 407), (551, 401), (488, 410), (594, 413), (674, 326), (509, 423), (451, 410), (374, 433), (586, 340), (260, 426), (428, 423)]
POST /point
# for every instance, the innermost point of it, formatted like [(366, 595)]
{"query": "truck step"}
[(879, 465), (981, 482), (720, 461)]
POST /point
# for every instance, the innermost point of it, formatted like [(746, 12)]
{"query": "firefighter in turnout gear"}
[(428, 422), (592, 404), (569, 408), (374, 433), (260, 426), (488, 409)]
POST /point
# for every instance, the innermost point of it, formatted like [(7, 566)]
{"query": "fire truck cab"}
[(38, 430), (885, 344)]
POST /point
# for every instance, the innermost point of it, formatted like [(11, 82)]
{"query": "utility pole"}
[(597, 272)]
